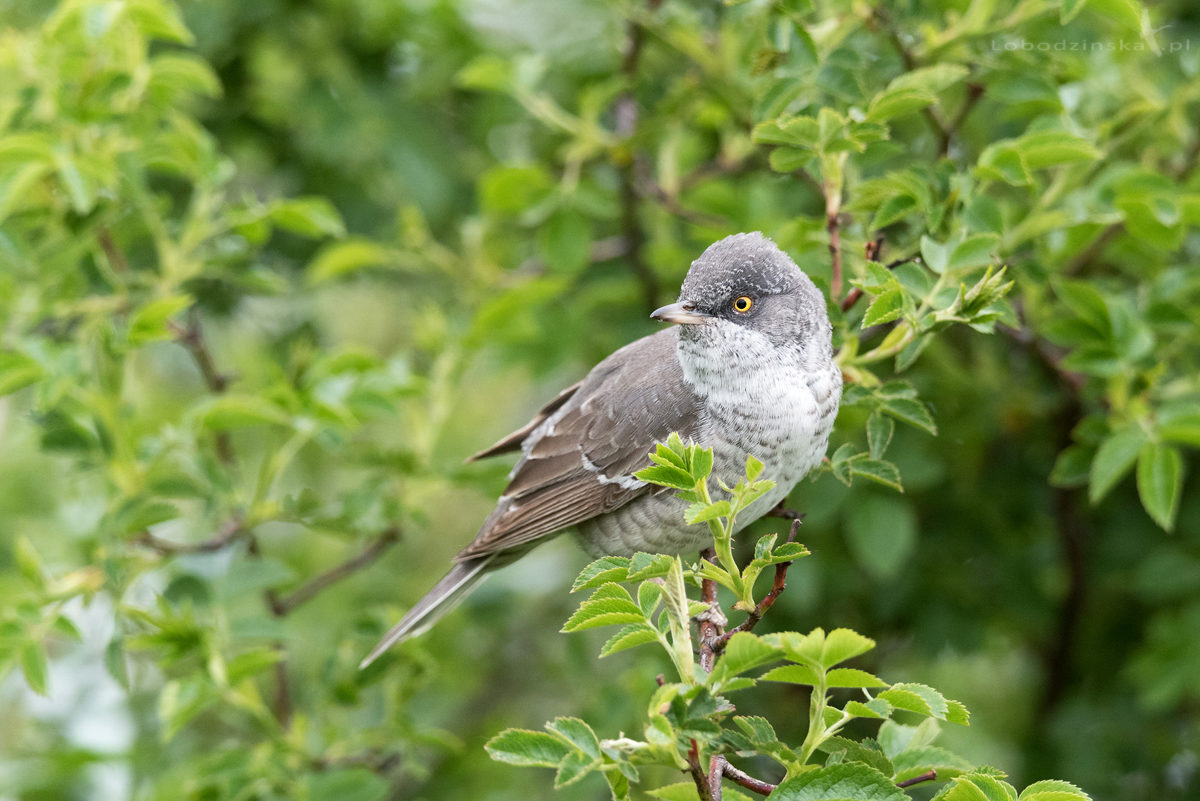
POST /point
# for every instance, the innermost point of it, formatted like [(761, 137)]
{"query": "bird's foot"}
[(715, 615)]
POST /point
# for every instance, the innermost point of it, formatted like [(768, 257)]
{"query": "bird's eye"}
[(742, 304)]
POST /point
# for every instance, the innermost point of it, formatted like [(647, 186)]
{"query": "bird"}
[(748, 369)]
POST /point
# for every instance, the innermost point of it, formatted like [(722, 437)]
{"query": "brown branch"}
[(192, 339), (927, 776), (116, 258), (697, 772), (365, 558), (230, 531), (710, 633), (742, 778), (974, 94), (833, 226), (714, 777), (777, 587)]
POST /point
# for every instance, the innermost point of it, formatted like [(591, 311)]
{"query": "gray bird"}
[(749, 370)]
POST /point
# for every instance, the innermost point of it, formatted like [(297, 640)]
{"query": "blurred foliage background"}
[(270, 271)]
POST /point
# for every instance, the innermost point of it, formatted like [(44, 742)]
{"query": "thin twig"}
[(854, 294), (927, 776), (192, 338), (745, 779), (833, 226), (714, 777), (777, 587), (116, 258), (230, 531), (365, 558), (697, 772)]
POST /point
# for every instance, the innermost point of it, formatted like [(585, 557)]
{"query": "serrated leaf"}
[(853, 678), (886, 307), (879, 471), (754, 468), (644, 566), (528, 748), (702, 462), (843, 644), (702, 513), (880, 429), (666, 476), (743, 652), (1053, 790), (603, 612), (628, 637), (1160, 482), (1113, 460), (578, 733), (910, 411), (897, 102), (876, 709), (847, 780), (602, 571), (791, 674), (918, 698), (978, 787)]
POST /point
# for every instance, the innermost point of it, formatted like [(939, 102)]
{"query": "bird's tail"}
[(445, 595)]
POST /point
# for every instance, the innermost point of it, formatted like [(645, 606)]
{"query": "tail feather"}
[(444, 596)]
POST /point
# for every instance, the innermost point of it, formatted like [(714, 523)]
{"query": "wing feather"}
[(579, 459)]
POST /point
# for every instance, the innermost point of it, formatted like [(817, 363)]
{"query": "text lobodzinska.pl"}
[(1088, 45)]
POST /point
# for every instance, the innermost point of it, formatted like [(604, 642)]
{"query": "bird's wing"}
[(580, 458)]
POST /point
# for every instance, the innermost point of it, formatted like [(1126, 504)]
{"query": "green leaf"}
[(528, 748), (879, 471), (743, 652), (874, 709), (1072, 465), (574, 767), (17, 371), (628, 637), (1053, 790), (897, 102), (240, 411), (1113, 459), (1051, 148), (487, 72), (604, 610), (853, 678), (1160, 482), (149, 322), (33, 665), (885, 308), (702, 513), (880, 428), (347, 784), (754, 467), (976, 787), (686, 791), (578, 733), (1183, 428), (974, 251), (602, 571), (791, 674), (839, 782), (512, 190), (347, 257), (308, 216), (843, 644), (935, 255), (666, 476), (932, 79), (910, 411)]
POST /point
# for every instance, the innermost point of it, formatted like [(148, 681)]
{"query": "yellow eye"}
[(742, 304)]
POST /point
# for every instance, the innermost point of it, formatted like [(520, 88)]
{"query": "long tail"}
[(444, 596)]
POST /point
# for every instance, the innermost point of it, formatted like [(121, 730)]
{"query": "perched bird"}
[(748, 370)]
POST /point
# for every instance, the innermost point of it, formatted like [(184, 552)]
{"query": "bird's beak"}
[(683, 312)]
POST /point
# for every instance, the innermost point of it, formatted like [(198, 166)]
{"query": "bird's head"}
[(746, 281)]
